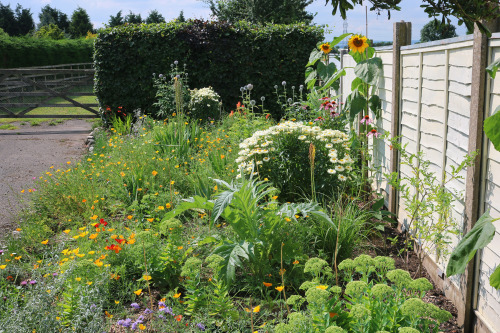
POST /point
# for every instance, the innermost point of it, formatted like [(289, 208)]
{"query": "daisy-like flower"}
[(374, 133), (328, 145), (326, 48), (331, 171), (302, 137), (342, 178), (266, 159), (358, 43), (334, 160), (339, 168), (366, 120)]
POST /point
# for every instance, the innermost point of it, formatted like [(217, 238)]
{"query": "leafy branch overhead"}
[(467, 12)]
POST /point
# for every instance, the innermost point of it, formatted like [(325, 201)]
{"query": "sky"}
[(379, 27)]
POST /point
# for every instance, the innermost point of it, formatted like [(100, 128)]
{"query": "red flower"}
[(120, 240), (114, 247), (104, 223), (178, 317)]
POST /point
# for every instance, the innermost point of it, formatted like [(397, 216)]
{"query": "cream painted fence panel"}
[(488, 298), (435, 100)]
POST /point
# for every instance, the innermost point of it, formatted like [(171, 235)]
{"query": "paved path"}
[(29, 152)]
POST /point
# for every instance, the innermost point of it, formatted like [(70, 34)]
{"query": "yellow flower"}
[(138, 292), (161, 208), (150, 220), (98, 262), (94, 217), (117, 302), (45, 242), (18, 258), (67, 231), (130, 217), (89, 283), (256, 309), (78, 279), (147, 277), (177, 295), (3, 266), (326, 48), (142, 327), (322, 287), (358, 43), (154, 173), (93, 236), (279, 288), (172, 182), (168, 205)]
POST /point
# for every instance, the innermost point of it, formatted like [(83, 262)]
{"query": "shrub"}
[(217, 54), (204, 104), (298, 159)]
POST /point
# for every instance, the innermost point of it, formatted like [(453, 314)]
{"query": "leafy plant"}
[(427, 203), (172, 92)]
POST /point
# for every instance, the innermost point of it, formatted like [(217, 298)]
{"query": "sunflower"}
[(326, 48), (358, 43)]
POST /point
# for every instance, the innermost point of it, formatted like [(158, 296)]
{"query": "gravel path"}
[(29, 152)]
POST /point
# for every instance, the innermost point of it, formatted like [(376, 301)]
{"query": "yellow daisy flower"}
[(358, 43)]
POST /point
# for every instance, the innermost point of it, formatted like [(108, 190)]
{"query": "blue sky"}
[(379, 27)]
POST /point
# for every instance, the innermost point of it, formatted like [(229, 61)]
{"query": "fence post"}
[(401, 37), (473, 180)]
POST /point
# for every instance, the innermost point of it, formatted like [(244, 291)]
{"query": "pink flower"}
[(374, 133), (366, 120)]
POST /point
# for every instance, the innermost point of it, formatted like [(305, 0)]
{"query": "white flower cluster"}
[(256, 150), (204, 94)]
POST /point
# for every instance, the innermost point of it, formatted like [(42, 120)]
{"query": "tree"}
[(116, 20), (25, 22), (50, 31), (467, 12), (50, 15), (261, 11), (435, 30), (181, 17), (132, 18), (155, 17), (8, 20), (80, 23)]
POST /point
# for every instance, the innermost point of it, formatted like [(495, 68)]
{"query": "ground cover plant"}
[(237, 224)]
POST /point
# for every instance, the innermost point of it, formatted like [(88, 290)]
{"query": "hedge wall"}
[(29, 51), (217, 54)]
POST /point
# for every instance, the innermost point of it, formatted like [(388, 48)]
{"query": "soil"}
[(28, 152), (435, 296)]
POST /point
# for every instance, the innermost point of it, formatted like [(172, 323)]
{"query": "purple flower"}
[(141, 318), (135, 305), (93, 306), (147, 311), (374, 133), (54, 274), (125, 322), (161, 304), (161, 316), (32, 282), (1, 252), (366, 120), (24, 283), (201, 326), (167, 310), (134, 325)]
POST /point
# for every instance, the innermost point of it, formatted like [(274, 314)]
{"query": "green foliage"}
[(154, 17), (49, 15), (80, 23), (116, 20), (132, 18), (172, 92), (16, 23), (204, 105), (435, 30), (427, 202), (261, 11), (217, 54), (477, 238), (50, 31), (27, 51), (491, 126)]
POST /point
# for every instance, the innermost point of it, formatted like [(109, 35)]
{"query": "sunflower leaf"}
[(491, 126), (326, 71), (495, 278), (358, 104), (314, 57), (338, 39), (369, 70), (493, 68)]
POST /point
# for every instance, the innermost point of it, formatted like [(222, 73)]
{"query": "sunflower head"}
[(326, 48), (358, 43)]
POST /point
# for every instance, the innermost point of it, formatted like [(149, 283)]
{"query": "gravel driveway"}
[(29, 152)]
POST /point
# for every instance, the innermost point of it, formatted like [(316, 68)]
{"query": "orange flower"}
[(138, 292), (178, 317), (295, 262), (45, 242), (147, 277), (267, 284), (177, 295), (154, 173), (279, 288)]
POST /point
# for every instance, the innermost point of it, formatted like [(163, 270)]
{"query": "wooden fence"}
[(435, 96), (22, 90)]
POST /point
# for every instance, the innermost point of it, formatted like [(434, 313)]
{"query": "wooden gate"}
[(22, 90)]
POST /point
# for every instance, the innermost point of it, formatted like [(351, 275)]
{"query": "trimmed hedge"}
[(28, 51), (217, 54)]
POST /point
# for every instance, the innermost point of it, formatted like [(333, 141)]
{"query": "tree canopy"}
[(25, 22), (16, 23), (80, 23), (435, 30), (261, 11), (155, 17), (467, 12), (117, 20), (132, 18), (50, 15)]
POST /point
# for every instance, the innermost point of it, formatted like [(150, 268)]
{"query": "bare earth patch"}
[(29, 152)]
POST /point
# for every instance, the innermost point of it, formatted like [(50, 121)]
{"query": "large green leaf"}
[(355, 84), (314, 57), (358, 104), (375, 104), (333, 80), (223, 200), (495, 278), (378, 204), (369, 70), (492, 128), (493, 68), (477, 238), (232, 254), (195, 202), (311, 76), (326, 71), (338, 39)]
